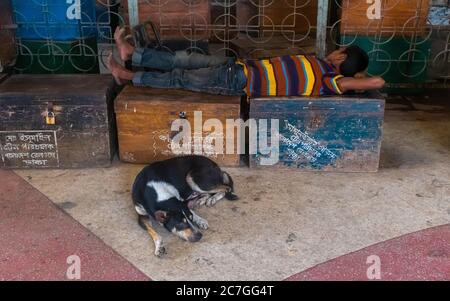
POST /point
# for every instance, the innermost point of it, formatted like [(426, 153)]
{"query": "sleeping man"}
[(290, 75)]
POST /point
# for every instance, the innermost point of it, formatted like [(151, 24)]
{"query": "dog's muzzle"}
[(188, 235)]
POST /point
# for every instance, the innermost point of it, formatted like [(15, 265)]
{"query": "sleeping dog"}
[(168, 191)]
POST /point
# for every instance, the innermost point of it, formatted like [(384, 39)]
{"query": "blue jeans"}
[(195, 72)]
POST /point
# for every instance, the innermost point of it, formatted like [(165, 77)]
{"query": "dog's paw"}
[(159, 252), (202, 224), (159, 248), (214, 199), (202, 201)]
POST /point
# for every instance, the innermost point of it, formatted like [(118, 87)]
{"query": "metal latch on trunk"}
[(50, 116)]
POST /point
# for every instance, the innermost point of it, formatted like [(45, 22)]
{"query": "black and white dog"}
[(169, 190)]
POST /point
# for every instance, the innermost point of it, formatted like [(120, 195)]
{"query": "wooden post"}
[(133, 12), (322, 22)]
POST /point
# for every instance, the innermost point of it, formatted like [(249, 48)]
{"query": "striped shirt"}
[(291, 75)]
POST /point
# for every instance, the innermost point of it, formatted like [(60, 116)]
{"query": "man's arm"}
[(350, 83)]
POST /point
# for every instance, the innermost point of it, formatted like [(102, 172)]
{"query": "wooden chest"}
[(289, 16), (7, 49), (398, 17), (278, 45), (285, 15), (145, 118), (319, 133), (175, 19), (56, 121)]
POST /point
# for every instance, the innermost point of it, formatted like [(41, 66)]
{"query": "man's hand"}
[(370, 83), (360, 75)]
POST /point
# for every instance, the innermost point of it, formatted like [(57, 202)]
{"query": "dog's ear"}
[(161, 216)]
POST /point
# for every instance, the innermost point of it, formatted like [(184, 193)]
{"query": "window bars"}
[(408, 41)]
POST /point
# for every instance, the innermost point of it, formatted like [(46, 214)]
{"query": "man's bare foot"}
[(118, 71), (125, 49)]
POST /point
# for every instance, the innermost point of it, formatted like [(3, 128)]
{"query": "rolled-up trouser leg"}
[(227, 79), (166, 61)]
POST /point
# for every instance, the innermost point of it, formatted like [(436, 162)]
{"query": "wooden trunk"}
[(145, 117), (175, 19), (284, 16), (321, 133), (400, 17), (245, 11), (82, 133), (277, 46), (7, 48)]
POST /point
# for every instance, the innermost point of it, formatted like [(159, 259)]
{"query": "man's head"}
[(349, 60)]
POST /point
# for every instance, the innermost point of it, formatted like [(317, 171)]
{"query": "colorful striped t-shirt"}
[(291, 75)]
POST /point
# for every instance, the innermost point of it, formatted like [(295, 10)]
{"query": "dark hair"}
[(357, 60)]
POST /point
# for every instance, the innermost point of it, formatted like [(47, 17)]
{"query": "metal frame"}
[(133, 12), (265, 25), (434, 66), (322, 25)]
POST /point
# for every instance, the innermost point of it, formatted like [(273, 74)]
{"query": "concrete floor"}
[(285, 221)]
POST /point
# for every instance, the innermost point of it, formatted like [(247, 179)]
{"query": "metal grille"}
[(48, 41), (406, 45), (265, 26), (409, 43), (228, 24)]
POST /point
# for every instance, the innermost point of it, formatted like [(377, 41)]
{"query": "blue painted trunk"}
[(49, 20), (321, 133)]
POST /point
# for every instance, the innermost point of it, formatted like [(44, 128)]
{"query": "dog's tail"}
[(218, 181), (228, 181)]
